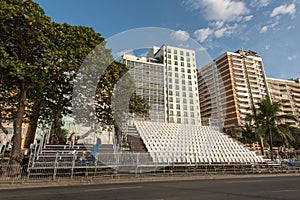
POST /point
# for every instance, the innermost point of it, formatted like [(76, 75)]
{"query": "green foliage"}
[(268, 123)]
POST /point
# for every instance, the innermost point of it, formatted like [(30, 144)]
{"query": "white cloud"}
[(220, 32), (290, 27), (180, 35), (221, 10), (260, 3), (248, 18), (268, 27), (201, 49), (225, 31), (264, 29), (202, 34), (217, 24), (284, 9), (292, 57)]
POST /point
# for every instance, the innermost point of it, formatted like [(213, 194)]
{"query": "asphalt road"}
[(209, 189)]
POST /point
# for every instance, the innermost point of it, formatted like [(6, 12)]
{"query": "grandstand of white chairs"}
[(179, 143)]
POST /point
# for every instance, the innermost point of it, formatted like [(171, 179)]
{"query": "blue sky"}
[(269, 27)]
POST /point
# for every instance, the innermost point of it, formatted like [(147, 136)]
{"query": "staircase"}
[(136, 143)]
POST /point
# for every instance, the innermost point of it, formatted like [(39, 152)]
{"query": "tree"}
[(35, 52), (248, 134), (269, 123)]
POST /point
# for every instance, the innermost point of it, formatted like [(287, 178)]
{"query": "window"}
[(169, 56), (177, 100), (171, 99), (186, 121), (182, 64), (171, 120), (189, 71), (182, 69), (188, 64), (177, 94), (192, 109), (176, 69), (178, 113), (191, 101), (190, 82), (169, 67), (178, 120), (175, 57), (190, 94), (188, 59), (184, 100), (169, 50), (176, 75), (184, 94), (192, 114), (177, 87), (182, 75), (187, 53), (170, 74), (171, 113), (170, 92), (178, 106), (184, 107), (190, 89), (189, 77), (171, 106), (193, 121), (181, 53), (185, 114), (170, 80), (177, 81), (176, 63), (169, 62), (183, 82), (175, 51), (182, 58), (183, 88), (170, 86)]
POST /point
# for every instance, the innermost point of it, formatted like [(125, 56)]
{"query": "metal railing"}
[(69, 167)]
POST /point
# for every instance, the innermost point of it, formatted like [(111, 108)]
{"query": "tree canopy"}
[(39, 61)]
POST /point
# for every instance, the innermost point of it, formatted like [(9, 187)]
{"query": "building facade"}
[(168, 73), (230, 87), (287, 93), (148, 77)]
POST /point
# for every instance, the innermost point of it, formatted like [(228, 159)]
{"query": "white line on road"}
[(115, 188), (249, 181), (285, 190)]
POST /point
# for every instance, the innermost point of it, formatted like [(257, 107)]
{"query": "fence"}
[(116, 166)]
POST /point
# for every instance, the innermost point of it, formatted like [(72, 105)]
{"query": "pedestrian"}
[(73, 138)]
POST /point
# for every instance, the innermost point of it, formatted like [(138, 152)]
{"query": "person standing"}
[(73, 138)]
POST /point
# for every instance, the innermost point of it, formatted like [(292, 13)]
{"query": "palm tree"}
[(270, 123)]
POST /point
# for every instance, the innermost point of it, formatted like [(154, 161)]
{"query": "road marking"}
[(114, 188), (285, 190), (249, 181)]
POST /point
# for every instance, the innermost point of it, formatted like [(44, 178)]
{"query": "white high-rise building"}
[(173, 71)]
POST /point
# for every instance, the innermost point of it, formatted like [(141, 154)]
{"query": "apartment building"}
[(230, 87), (287, 93), (167, 79)]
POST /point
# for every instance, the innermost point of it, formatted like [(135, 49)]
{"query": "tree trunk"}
[(261, 145), (33, 123), (57, 123), (271, 143), (16, 156)]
